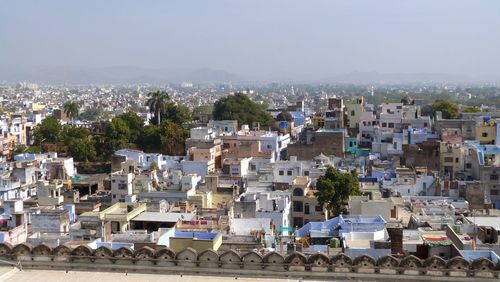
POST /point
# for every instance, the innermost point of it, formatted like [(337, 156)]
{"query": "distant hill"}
[(130, 74), (125, 74), (393, 78)]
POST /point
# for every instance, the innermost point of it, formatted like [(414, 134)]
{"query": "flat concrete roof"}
[(486, 221), (163, 216), (31, 275)]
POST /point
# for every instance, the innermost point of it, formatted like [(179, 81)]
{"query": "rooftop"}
[(163, 216)]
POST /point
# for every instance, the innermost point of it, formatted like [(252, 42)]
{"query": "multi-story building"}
[(486, 131), (354, 109), (247, 143), (334, 115), (121, 186), (323, 141), (305, 206), (482, 162), (451, 159)]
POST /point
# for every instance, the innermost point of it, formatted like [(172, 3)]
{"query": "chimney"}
[(395, 231)]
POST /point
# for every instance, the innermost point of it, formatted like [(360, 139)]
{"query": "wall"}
[(232, 263)]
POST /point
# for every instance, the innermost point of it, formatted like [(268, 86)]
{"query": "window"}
[(122, 186), (494, 192), (298, 206), (318, 208), (493, 176), (298, 192), (448, 159), (306, 172), (456, 160), (485, 134), (306, 209), (297, 221), (289, 173), (468, 166), (269, 146), (384, 124), (352, 113), (281, 172), (391, 124)]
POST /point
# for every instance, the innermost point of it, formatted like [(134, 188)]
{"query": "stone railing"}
[(251, 264)]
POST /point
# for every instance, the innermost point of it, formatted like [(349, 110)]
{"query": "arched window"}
[(298, 192)]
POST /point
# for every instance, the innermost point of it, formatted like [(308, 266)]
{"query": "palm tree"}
[(157, 103), (71, 109)]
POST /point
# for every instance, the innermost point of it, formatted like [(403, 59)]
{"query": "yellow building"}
[(450, 159), (318, 121), (120, 215), (305, 206), (353, 109), (37, 106), (200, 241), (486, 132)]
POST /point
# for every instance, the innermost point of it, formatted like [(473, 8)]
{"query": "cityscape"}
[(146, 170)]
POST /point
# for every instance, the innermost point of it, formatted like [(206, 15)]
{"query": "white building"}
[(121, 186)]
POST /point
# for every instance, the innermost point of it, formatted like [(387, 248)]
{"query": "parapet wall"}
[(251, 264)]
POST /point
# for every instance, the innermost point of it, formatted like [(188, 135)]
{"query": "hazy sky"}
[(317, 38)]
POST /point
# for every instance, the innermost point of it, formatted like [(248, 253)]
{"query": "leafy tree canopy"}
[(202, 110), (157, 103), (240, 107), (334, 189), (472, 110), (284, 116), (134, 123), (176, 113), (71, 109), (447, 108), (48, 130)]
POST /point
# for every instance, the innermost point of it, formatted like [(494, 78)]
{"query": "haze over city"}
[(270, 140), (252, 40)]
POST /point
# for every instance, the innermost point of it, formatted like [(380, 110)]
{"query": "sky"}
[(268, 37)]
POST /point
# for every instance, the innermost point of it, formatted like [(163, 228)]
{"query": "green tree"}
[(92, 113), (48, 130), (472, 110), (19, 149), (82, 149), (447, 108), (71, 109), (134, 123), (157, 103), (68, 133), (334, 189), (240, 107), (177, 113), (150, 141), (117, 135), (284, 116), (172, 137), (206, 109)]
